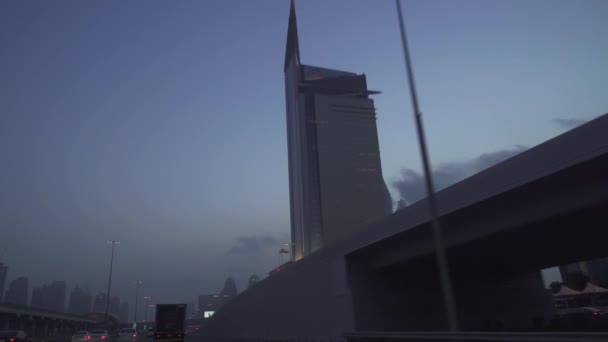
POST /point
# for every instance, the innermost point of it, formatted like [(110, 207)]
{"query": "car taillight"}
[(12, 339), (88, 337), (103, 337), (134, 335)]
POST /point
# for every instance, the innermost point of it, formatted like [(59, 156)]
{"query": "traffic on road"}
[(14, 336)]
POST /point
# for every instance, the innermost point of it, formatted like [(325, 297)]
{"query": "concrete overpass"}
[(39, 322), (544, 207)]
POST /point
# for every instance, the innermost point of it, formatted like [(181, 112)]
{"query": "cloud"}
[(411, 186), (568, 123), (249, 245)]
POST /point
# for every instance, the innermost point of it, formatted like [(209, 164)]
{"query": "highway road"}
[(199, 338)]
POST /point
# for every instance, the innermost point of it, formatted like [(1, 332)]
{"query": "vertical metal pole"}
[(110, 279), (442, 265)]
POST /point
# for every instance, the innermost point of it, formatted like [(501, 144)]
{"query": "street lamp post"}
[(113, 242), (136, 298)]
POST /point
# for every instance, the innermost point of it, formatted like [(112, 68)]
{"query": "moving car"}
[(100, 335), (128, 334), (586, 311), (14, 336), (81, 336)]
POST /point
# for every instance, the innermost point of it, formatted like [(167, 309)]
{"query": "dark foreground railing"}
[(477, 337)]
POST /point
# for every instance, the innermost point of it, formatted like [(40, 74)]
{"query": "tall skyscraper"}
[(335, 176), (80, 302), (99, 304), (17, 292), (57, 295), (39, 297), (50, 297), (114, 307), (123, 312), (3, 272)]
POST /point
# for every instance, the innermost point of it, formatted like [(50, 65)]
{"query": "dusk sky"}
[(162, 123)]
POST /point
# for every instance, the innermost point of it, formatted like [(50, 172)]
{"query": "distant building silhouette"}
[(50, 297), (253, 279), (190, 308), (57, 296), (99, 303), (229, 289), (80, 302), (208, 304), (336, 185), (17, 291), (123, 314), (38, 297), (3, 272), (114, 307)]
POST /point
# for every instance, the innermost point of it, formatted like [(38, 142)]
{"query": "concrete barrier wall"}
[(308, 300)]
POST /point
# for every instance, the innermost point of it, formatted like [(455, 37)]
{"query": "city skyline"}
[(79, 301), (136, 132)]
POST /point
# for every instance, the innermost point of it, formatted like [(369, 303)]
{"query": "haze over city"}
[(162, 124)]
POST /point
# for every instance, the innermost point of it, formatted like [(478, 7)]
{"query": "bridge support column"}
[(52, 331), (13, 323), (30, 326), (4, 322), (35, 327), (21, 324), (45, 327)]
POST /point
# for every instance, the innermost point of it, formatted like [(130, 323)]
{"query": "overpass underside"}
[(496, 249), (36, 326)]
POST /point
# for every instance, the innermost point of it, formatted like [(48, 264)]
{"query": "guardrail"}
[(22, 310), (477, 336)]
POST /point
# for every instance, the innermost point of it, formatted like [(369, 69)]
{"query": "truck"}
[(169, 325)]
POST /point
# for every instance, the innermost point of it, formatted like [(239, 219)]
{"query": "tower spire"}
[(292, 49)]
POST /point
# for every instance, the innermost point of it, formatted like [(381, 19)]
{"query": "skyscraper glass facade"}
[(335, 176)]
